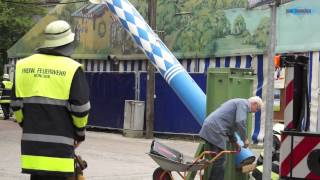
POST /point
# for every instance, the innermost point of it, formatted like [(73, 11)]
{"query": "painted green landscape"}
[(213, 27), (189, 28), (226, 27)]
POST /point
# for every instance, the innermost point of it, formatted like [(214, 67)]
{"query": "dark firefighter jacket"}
[(51, 103), (6, 87)]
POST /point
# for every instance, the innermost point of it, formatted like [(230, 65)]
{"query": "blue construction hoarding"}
[(170, 114), (109, 90)]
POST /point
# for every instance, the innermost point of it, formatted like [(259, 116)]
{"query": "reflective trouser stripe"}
[(48, 138), (19, 115), (47, 163), (80, 122)]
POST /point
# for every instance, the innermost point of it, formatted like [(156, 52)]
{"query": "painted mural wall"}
[(189, 28)]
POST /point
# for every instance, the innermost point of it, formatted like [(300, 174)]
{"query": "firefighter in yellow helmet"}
[(6, 86), (51, 103)]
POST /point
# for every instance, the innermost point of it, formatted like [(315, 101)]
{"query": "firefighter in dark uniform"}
[(6, 86), (51, 103)]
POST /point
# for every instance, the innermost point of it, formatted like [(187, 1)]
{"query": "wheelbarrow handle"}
[(216, 155)]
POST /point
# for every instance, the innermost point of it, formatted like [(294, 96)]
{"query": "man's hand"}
[(246, 143)]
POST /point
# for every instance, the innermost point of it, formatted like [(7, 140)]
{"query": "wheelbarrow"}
[(171, 160)]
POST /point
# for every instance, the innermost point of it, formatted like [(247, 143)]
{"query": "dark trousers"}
[(46, 177), (217, 168), (6, 110)]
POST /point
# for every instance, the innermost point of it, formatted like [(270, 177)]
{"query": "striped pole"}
[(289, 91), (288, 114), (160, 56)]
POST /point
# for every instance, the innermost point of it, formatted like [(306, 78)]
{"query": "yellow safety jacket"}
[(6, 92), (42, 89)]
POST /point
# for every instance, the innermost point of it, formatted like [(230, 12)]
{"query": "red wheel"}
[(161, 174)]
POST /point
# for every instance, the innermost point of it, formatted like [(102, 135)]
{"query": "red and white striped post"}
[(288, 117), (299, 151), (289, 91)]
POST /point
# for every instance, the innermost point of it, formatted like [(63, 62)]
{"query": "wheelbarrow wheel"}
[(161, 174)]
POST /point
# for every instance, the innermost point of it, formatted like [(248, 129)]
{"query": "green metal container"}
[(224, 84), (227, 83)]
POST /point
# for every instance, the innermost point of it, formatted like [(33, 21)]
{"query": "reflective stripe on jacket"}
[(42, 87)]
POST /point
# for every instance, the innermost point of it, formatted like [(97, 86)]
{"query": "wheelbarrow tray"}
[(171, 165), (170, 159)]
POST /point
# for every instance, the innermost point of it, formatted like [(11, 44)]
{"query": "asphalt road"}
[(110, 156)]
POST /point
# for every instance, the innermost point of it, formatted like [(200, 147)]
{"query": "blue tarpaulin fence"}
[(170, 114), (109, 90)]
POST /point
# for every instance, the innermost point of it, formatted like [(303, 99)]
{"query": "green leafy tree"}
[(15, 20)]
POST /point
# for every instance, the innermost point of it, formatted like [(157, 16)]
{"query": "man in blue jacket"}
[(222, 124)]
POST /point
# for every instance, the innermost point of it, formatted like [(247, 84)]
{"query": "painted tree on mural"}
[(142, 7), (260, 36), (209, 23), (239, 3), (239, 25), (168, 19), (198, 36), (206, 25), (221, 24), (68, 10), (227, 4), (220, 4)]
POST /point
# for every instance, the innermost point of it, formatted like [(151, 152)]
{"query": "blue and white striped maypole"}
[(160, 56)]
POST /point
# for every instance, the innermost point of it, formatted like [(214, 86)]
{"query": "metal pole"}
[(152, 16), (268, 139)]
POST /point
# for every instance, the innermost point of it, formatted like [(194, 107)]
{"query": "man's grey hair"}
[(256, 99)]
